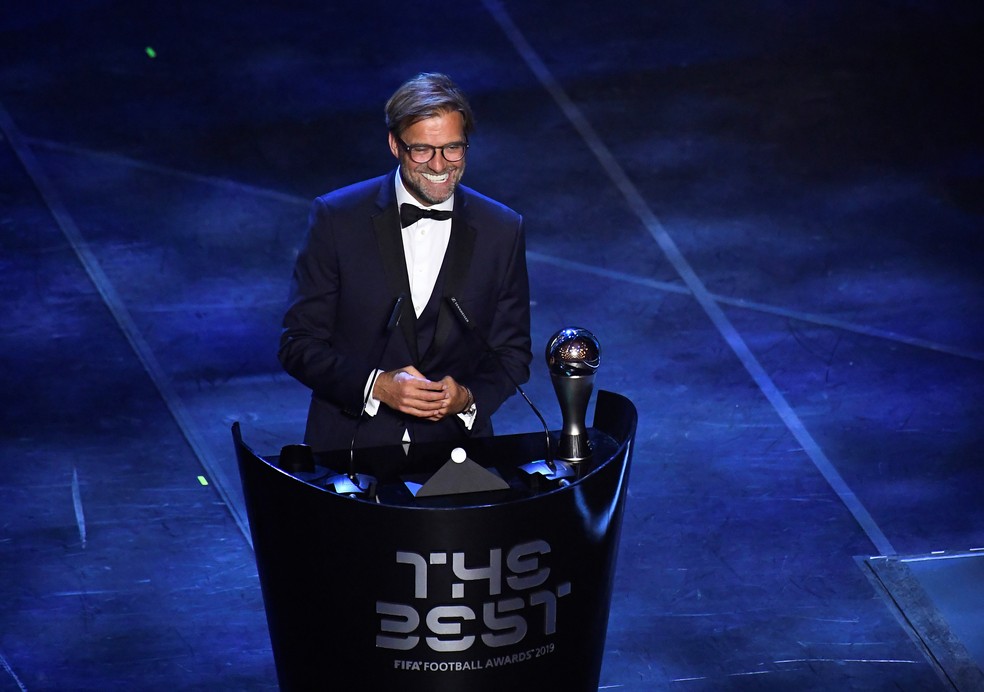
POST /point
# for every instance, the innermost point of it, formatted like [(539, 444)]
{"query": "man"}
[(427, 376)]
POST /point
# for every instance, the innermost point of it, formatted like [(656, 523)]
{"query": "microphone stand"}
[(548, 468), (360, 484)]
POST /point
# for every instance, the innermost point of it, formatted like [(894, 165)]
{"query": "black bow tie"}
[(411, 214)]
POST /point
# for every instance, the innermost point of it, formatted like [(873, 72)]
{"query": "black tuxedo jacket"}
[(346, 280)]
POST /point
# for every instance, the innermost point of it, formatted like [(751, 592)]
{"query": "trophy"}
[(573, 355)]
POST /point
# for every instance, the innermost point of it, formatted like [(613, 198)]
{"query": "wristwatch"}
[(470, 408)]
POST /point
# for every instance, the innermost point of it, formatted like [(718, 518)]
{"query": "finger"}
[(402, 377), (423, 402), (426, 415), (424, 388)]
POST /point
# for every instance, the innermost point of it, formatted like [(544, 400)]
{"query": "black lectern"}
[(502, 590)]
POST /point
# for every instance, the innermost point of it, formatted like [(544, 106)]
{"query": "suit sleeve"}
[(308, 349)]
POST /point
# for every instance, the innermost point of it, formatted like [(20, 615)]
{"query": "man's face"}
[(432, 182)]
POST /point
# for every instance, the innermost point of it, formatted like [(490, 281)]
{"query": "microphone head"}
[(573, 351)]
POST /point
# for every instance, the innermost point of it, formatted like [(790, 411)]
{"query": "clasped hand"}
[(408, 391)]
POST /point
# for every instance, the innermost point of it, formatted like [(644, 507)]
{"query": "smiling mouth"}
[(436, 178)]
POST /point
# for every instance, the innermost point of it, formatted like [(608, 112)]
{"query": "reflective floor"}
[(770, 214)]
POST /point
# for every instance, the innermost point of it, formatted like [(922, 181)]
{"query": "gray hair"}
[(427, 95)]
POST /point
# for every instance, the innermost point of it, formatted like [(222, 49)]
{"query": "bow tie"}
[(411, 214)]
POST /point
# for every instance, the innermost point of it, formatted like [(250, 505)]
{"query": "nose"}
[(438, 163)]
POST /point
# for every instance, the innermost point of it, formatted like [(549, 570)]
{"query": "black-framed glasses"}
[(422, 153)]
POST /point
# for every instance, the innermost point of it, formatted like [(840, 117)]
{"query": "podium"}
[(503, 590)]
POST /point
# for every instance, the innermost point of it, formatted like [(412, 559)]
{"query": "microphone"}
[(353, 483), (463, 317)]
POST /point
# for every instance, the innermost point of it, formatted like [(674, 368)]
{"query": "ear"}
[(393, 146)]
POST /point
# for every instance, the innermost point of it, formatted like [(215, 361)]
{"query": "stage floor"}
[(770, 216)]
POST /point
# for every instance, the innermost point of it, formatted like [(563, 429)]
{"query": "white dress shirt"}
[(424, 245)]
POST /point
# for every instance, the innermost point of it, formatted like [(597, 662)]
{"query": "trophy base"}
[(574, 448)]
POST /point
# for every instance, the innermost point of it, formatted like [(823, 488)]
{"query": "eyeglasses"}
[(422, 153)]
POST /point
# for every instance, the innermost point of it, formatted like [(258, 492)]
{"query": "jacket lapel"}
[(457, 261), (386, 224)]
